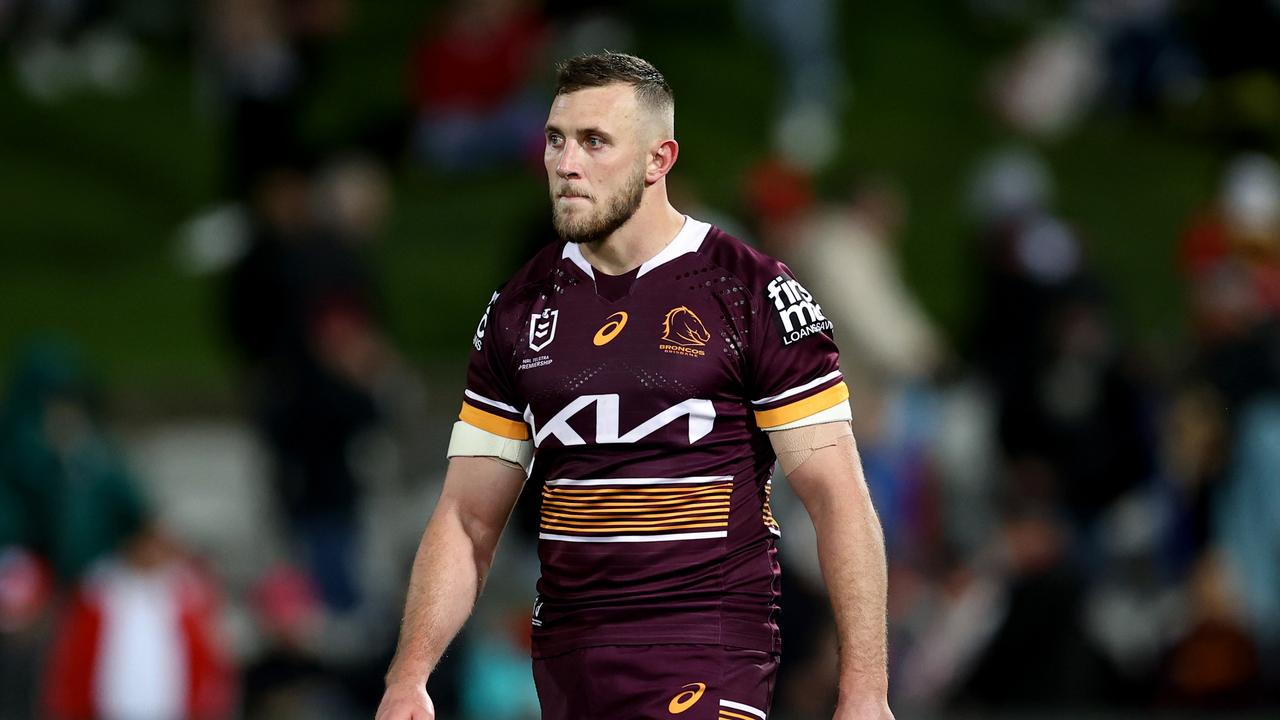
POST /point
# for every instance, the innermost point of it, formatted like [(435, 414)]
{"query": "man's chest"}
[(604, 372)]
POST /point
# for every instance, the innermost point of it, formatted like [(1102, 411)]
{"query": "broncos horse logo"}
[(683, 327)]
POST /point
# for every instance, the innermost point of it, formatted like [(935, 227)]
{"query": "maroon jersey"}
[(647, 414)]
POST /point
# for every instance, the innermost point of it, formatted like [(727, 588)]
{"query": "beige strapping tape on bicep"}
[(796, 445), (470, 441)]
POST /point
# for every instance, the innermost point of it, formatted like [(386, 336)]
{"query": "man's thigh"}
[(656, 682)]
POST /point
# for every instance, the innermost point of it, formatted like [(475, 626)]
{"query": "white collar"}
[(688, 240)]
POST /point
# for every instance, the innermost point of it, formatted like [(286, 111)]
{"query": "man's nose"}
[(568, 166)]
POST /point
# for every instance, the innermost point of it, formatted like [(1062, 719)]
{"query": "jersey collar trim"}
[(688, 240), (574, 253)]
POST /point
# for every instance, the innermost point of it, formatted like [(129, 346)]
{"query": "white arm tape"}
[(470, 441), (835, 413)]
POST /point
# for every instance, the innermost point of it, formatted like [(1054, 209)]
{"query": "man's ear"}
[(662, 157)]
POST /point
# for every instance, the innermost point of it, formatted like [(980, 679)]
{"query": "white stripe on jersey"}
[(797, 390), (480, 398), (635, 538), (744, 708), (640, 481)]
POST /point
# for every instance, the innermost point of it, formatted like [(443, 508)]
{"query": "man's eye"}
[(595, 142), (555, 140)]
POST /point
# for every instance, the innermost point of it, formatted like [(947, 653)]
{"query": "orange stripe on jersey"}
[(631, 509), (735, 716), (613, 512), (623, 496), (667, 490), (633, 528), (711, 511), (769, 520), (803, 408), (629, 522), (628, 499), (495, 424)]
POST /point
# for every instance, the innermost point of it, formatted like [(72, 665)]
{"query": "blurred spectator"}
[(1130, 52), (1150, 63), (1051, 83), (848, 249), (139, 641), (26, 587), (301, 310), (471, 93), (1247, 515), (1043, 607), (1072, 417), (802, 33), (67, 46), (978, 639), (1215, 664), (1243, 223), (264, 57), (287, 678), (1197, 452), (74, 499)]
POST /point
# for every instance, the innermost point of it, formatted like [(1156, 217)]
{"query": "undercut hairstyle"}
[(609, 68)]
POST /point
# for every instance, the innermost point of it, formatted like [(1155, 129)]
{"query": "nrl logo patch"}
[(542, 329)]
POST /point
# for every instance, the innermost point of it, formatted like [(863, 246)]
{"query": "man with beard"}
[(645, 373)]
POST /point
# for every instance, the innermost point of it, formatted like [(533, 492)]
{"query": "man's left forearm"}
[(830, 483), (851, 553)]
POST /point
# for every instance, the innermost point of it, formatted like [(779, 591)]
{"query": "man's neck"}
[(651, 229)]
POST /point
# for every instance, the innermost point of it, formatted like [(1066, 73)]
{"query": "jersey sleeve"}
[(795, 366), (490, 401)]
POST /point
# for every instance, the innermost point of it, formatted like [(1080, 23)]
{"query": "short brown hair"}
[(607, 68)]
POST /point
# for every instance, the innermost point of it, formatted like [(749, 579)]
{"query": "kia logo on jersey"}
[(542, 329), (701, 414)]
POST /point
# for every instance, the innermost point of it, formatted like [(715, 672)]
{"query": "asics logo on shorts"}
[(690, 696)]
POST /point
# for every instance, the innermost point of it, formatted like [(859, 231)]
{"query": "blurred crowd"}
[(1073, 519)]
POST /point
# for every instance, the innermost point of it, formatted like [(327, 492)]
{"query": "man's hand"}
[(863, 710), (406, 701)]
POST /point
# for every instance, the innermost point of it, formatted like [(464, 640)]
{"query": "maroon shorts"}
[(656, 682)]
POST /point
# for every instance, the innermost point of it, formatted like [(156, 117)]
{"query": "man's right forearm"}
[(448, 573)]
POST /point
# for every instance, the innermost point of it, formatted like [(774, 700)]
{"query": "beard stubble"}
[(602, 224)]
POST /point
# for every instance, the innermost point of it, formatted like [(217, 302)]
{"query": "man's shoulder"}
[(753, 268), (540, 272)]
